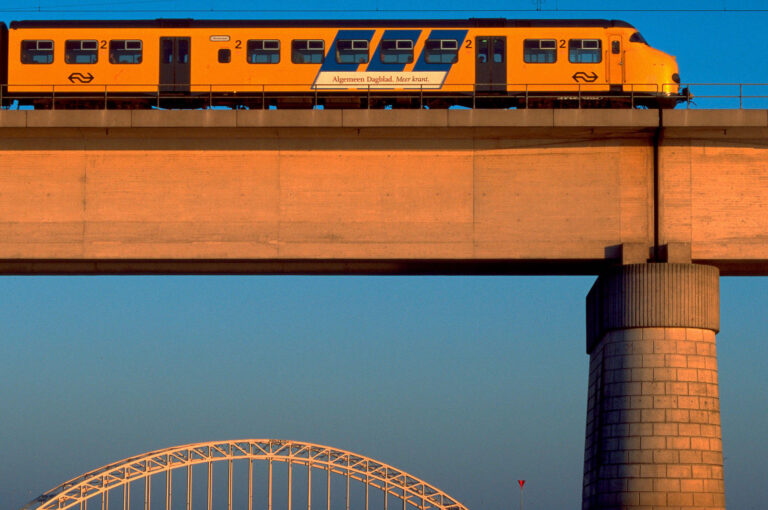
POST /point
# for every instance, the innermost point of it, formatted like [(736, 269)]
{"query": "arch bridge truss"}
[(92, 490)]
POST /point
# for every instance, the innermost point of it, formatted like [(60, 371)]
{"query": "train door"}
[(175, 67), (615, 62), (491, 64)]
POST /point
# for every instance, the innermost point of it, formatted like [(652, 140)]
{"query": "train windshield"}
[(638, 37)]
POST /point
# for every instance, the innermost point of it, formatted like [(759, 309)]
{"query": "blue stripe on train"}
[(376, 63), (330, 64), (421, 64)]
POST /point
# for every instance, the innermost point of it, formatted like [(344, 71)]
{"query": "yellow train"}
[(341, 63)]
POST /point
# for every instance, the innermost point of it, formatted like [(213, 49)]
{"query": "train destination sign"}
[(380, 80)]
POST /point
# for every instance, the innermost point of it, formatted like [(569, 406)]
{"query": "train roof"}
[(284, 23)]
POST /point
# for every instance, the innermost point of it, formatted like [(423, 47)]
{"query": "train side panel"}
[(219, 61), (61, 77), (330, 75), (3, 58), (240, 75)]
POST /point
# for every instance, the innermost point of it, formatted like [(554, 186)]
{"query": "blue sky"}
[(468, 382)]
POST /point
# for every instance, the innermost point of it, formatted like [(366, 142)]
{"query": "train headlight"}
[(676, 78)]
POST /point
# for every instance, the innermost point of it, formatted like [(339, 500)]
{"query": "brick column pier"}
[(653, 419)]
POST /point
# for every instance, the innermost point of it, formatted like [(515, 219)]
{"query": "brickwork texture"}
[(653, 438), (653, 422)]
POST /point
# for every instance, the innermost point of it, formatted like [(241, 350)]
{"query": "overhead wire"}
[(103, 6), (74, 8), (540, 7)]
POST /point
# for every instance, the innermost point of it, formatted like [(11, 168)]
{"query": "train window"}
[(81, 52), (615, 47), (637, 37), (540, 51), (396, 51), (182, 50), (307, 51), (225, 56), (351, 51), (36, 52), (491, 49), (441, 51), (263, 51), (166, 50), (499, 48), (482, 50), (585, 51), (126, 51)]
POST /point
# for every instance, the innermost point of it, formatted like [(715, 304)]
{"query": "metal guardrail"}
[(470, 95), (741, 95)]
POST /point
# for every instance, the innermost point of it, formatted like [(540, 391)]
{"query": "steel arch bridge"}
[(91, 490)]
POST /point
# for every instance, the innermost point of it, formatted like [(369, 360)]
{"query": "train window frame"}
[(262, 51), (446, 51), (30, 55), (137, 50), (359, 50), (224, 55), (74, 48), (312, 48), (585, 51), (400, 48), (533, 49)]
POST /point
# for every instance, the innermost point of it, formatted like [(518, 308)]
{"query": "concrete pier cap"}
[(653, 437), (653, 295)]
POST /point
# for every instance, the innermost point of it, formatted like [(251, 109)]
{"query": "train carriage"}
[(344, 63)]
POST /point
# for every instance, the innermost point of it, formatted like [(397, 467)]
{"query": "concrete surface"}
[(372, 191), (379, 118), (653, 419)]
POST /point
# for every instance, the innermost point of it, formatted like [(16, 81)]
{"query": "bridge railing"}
[(467, 95)]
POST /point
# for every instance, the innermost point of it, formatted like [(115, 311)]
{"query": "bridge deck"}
[(544, 118), (371, 191)]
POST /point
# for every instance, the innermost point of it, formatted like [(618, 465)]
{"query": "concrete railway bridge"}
[(657, 205)]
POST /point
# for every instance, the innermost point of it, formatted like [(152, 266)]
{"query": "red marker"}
[(521, 482)]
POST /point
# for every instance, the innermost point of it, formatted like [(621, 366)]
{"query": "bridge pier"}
[(653, 435)]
